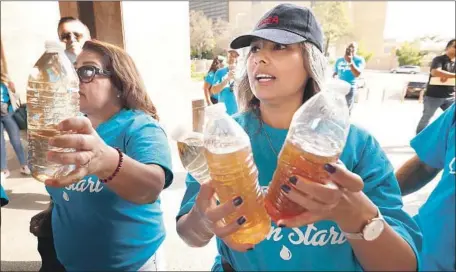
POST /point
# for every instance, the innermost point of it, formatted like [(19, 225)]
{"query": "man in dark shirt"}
[(439, 96)]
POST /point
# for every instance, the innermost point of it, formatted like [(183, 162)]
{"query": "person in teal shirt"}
[(217, 64), (106, 214), (285, 67), (3, 197), (435, 148), (349, 68), (4, 200), (223, 83)]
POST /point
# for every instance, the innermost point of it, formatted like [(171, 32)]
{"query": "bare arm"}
[(192, 230), (207, 92), (136, 182), (355, 70), (414, 174), (219, 87), (388, 246), (441, 73)]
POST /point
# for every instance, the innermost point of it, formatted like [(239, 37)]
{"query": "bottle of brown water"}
[(52, 96)]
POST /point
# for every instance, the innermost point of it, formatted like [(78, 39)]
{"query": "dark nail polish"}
[(241, 220), (282, 226), (250, 249), (331, 169), (285, 188), (293, 180), (237, 201)]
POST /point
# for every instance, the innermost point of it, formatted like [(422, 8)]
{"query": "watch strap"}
[(359, 235)]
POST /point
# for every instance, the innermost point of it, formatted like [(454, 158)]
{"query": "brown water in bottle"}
[(293, 160), (52, 96), (235, 174)]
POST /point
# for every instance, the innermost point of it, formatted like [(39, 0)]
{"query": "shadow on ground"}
[(26, 201), (20, 266)]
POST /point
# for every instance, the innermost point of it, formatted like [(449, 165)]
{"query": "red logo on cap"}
[(269, 21)]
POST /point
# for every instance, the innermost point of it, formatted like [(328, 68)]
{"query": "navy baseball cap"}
[(285, 24)]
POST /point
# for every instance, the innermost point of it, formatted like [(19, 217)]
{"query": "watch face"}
[(373, 230)]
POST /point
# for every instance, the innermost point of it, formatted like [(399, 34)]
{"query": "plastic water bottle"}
[(234, 173), (190, 145), (317, 136), (52, 96)]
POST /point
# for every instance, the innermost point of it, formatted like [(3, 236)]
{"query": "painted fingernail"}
[(285, 188), (237, 201), (293, 180), (241, 220), (282, 226), (331, 169)]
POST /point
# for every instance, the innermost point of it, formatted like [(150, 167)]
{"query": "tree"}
[(334, 20), (363, 52), (409, 54), (201, 33), (222, 36)]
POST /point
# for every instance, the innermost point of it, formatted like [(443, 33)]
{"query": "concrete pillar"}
[(156, 35)]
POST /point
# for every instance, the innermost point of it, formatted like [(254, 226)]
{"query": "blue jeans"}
[(7, 122), (350, 97), (430, 106)]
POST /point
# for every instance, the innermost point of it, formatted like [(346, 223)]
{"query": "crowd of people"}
[(110, 216)]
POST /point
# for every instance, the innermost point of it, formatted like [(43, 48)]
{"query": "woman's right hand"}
[(211, 216)]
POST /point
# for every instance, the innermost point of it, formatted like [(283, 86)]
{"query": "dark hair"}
[(66, 19), (124, 76), (450, 43), (214, 65)]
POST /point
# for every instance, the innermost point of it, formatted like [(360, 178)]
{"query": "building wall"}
[(368, 19), (212, 9)]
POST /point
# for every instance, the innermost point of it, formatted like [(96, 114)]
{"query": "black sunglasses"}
[(67, 36), (87, 73)]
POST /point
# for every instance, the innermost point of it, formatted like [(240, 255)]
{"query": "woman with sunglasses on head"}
[(106, 213), (217, 63), (357, 225)]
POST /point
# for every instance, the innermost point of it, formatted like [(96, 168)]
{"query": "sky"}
[(406, 20)]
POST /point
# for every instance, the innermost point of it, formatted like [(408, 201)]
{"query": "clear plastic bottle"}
[(190, 145), (317, 136), (52, 96), (234, 173)]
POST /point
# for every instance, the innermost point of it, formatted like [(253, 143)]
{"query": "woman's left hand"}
[(340, 200), (90, 155)]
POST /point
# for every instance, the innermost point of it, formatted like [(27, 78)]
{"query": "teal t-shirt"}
[(319, 246), (4, 96), (3, 197), (343, 70), (227, 94), (96, 230), (436, 146)]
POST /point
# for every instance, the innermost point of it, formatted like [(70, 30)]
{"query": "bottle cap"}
[(178, 134), (52, 45), (216, 108)]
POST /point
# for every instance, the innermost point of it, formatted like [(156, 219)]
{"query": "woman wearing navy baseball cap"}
[(285, 67)]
